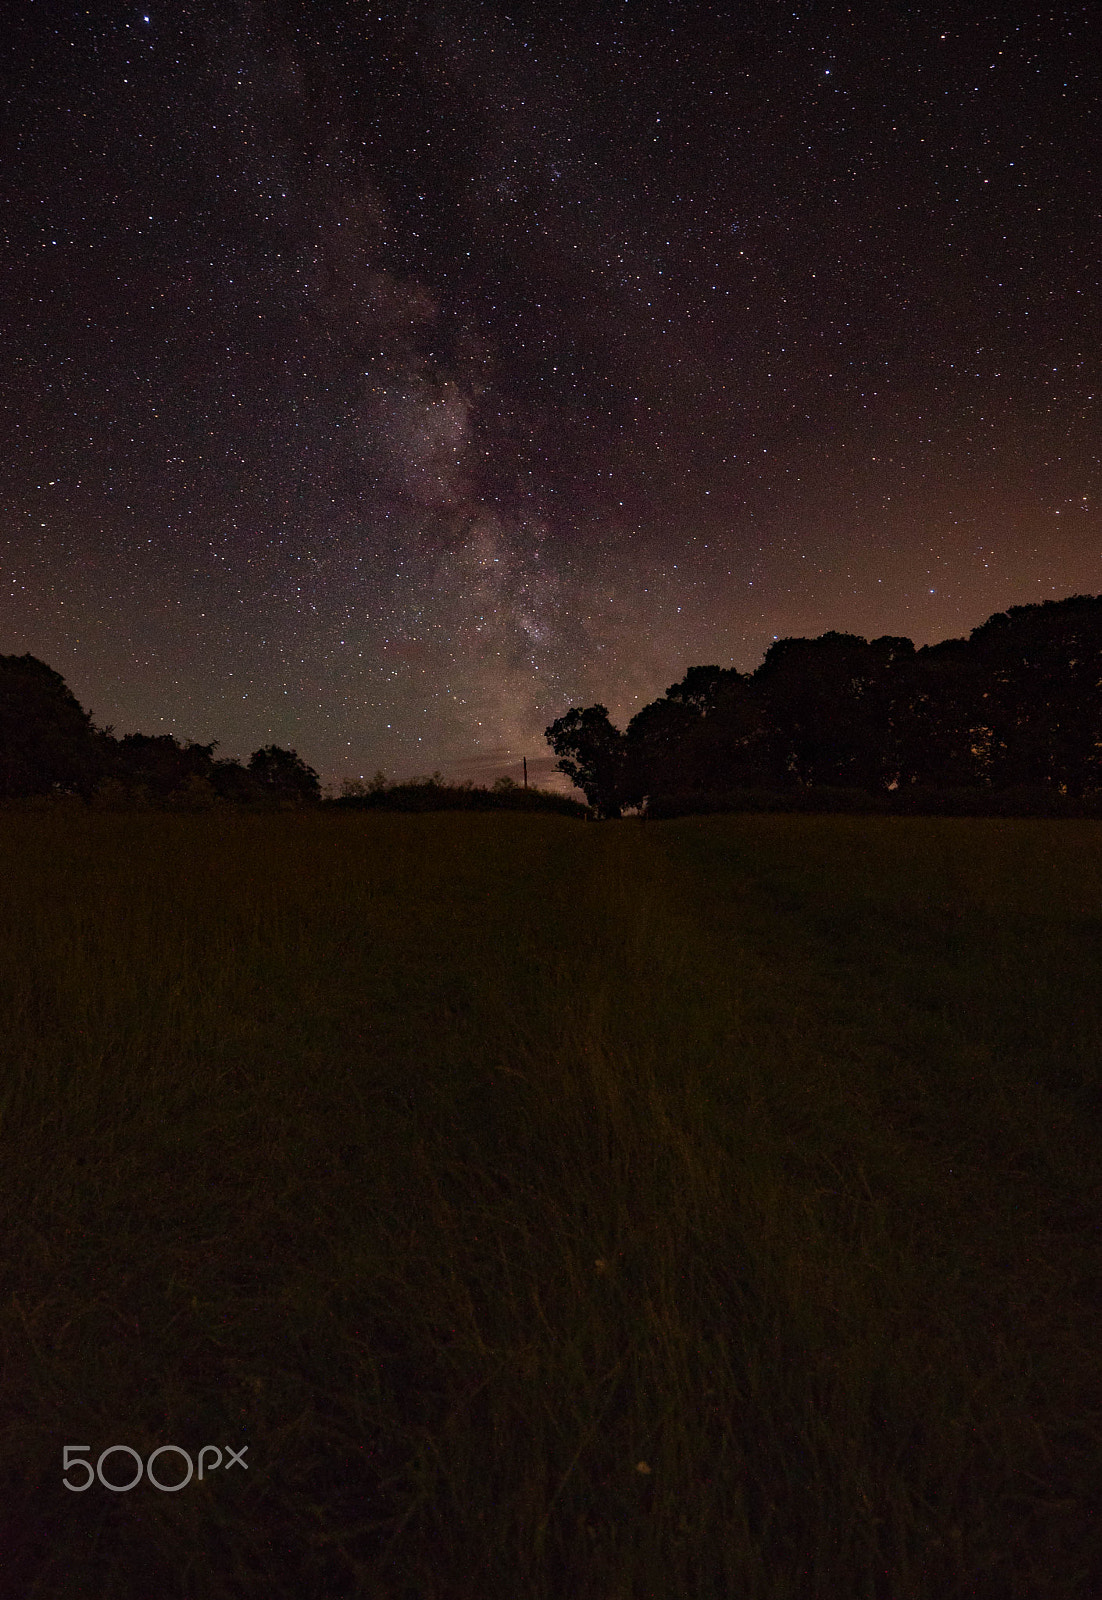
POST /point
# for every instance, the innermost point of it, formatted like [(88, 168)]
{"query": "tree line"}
[(50, 746), (1009, 719)]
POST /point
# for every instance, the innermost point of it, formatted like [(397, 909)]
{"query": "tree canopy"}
[(50, 746), (47, 741), (1014, 708)]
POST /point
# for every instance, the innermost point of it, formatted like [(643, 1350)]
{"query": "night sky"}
[(382, 380)]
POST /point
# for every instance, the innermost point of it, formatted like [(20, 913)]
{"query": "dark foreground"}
[(707, 1208)]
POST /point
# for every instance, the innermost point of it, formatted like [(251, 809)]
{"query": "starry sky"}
[(382, 380)]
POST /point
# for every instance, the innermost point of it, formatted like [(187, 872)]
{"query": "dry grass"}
[(689, 1209)]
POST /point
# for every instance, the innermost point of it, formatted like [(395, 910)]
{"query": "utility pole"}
[(526, 772)]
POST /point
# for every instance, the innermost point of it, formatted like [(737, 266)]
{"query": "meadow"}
[(555, 1211)]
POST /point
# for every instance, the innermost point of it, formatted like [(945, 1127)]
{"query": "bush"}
[(430, 794)]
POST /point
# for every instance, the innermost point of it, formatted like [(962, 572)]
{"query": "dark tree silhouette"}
[(941, 717), (1041, 668), (594, 756), (283, 775), (707, 734), (232, 783), (157, 767), (49, 745), (659, 744), (1014, 710), (705, 689), (828, 704), (47, 741)]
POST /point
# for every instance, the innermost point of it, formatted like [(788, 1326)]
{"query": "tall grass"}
[(702, 1208)]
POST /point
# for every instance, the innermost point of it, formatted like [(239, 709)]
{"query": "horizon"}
[(485, 768)]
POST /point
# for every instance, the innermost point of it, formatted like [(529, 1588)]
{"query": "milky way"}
[(381, 381)]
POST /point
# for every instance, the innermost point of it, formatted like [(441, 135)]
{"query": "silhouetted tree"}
[(657, 742), (704, 736), (283, 775), (1041, 667), (941, 719), (156, 766), (705, 689), (595, 757), (235, 785), (1017, 705), (47, 741), (828, 704), (737, 743)]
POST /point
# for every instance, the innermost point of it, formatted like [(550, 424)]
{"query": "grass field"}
[(706, 1208)]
